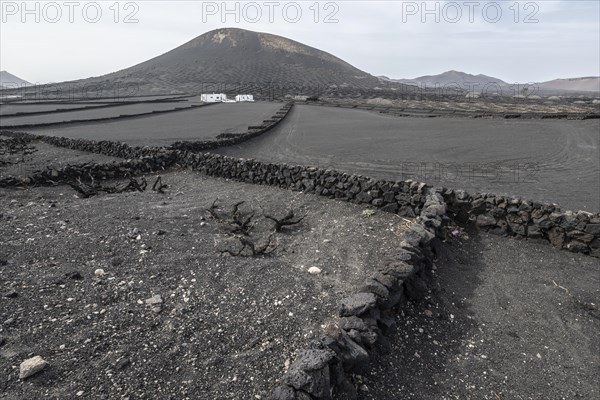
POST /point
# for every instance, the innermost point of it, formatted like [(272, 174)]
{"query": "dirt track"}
[(543, 160)]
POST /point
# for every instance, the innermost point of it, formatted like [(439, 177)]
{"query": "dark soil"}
[(93, 113), (227, 325), (11, 109), (508, 319), (163, 129), (541, 160)]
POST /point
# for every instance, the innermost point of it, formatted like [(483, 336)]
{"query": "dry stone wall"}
[(230, 139), (573, 231), (322, 370)]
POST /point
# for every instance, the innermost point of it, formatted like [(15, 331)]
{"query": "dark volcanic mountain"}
[(236, 56)]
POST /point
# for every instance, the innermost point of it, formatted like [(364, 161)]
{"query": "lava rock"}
[(533, 232), (556, 235), (386, 280), (315, 382), (348, 323), (594, 229), (357, 304), (485, 221), (284, 392), (122, 363), (75, 275), (390, 208), (417, 234), (581, 236), (32, 366), (399, 269), (372, 286), (578, 247), (352, 355)]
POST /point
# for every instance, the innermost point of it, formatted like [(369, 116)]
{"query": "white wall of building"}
[(213, 97), (244, 97)]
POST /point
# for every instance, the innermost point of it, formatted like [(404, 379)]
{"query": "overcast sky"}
[(514, 41)]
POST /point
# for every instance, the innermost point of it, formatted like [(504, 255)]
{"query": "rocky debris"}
[(310, 372), (11, 294), (155, 303), (314, 270), (15, 150), (99, 272), (32, 366), (122, 363)]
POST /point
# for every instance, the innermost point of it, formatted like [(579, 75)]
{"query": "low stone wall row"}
[(105, 119), (99, 172), (573, 231), (105, 147), (322, 370), (124, 150), (230, 139), (405, 112), (85, 106)]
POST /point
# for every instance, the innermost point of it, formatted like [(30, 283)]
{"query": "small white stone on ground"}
[(31, 366), (155, 303), (154, 300), (99, 272), (314, 270)]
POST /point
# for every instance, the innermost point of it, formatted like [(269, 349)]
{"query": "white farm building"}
[(222, 98), (213, 97), (244, 97)]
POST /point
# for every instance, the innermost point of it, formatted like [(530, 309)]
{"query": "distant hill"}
[(450, 77), (586, 84), (236, 56), (8, 80), (463, 79)]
